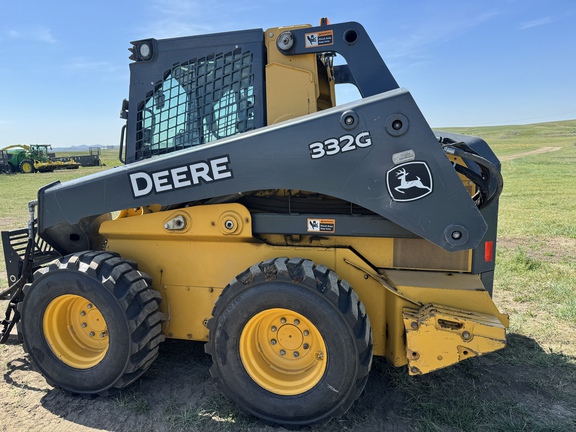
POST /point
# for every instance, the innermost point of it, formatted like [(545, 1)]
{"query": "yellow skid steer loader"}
[(296, 237)]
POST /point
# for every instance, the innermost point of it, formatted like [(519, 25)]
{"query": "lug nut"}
[(282, 352), (103, 334), (306, 332), (305, 346), (296, 322), (273, 328), (283, 320), (296, 354), (84, 325), (83, 313), (89, 306), (273, 342), (319, 355), (92, 334)]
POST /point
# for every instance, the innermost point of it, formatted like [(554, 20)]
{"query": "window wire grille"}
[(199, 101)]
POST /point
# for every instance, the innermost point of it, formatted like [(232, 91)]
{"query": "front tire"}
[(27, 166), (91, 323), (290, 343)]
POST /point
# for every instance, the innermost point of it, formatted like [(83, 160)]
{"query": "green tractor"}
[(31, 158)]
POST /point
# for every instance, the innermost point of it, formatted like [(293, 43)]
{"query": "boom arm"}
[(357, 152)]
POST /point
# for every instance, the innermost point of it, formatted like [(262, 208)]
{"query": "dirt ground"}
[(178, 394), (533, 152)]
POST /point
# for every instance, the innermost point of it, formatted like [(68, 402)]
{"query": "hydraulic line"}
[(489, 170)]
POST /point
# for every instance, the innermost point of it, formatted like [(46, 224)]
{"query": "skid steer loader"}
[(297, 238)]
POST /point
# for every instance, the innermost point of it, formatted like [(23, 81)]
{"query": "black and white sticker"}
[(200, 172), (409, 181)]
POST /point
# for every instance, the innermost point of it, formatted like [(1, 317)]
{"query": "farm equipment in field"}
[(297, 238), (89, 160), (28, 159)]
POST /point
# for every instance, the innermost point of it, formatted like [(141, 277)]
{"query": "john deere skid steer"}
[(296, 237)]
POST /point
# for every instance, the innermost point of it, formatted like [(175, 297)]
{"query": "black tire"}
[(333, 309), (27, 166), (7, 168), (129, 322)]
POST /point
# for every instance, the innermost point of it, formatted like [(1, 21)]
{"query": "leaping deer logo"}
[(402, 174)]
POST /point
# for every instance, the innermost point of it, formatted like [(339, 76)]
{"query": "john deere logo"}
[(409, 181)]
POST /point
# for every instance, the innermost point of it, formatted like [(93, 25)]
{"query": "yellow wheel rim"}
[(76, 331), (27, 167), (283, 352)]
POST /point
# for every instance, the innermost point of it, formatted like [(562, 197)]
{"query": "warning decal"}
[(321, 225), (322, 38)]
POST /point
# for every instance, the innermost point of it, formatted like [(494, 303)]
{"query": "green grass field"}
[(529, 386)]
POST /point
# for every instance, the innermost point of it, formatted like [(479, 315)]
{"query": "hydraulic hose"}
[(483, 163)]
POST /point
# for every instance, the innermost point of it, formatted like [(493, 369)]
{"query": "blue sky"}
[(64, 65)]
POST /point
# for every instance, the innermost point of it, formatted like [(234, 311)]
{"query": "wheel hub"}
[(290, 337), (76, 331), (283, 352)]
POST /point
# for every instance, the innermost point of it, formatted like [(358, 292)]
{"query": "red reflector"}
[(489, 251)]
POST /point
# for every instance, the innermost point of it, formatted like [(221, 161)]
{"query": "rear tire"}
[(27, 166), (91, 323), (290, 343)]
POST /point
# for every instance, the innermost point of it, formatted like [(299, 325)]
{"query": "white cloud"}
[(535, 23), (173, 18), (413, 43), (38, 34)]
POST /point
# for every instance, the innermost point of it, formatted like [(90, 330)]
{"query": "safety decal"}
[(322, 38), (410, 181), (321, 225)]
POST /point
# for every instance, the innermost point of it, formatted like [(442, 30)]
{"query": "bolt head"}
[(296, 322), (296, 354), (273, 342), (84, 325), (306, 332), (103, 334), (305, 346), (283, 320), (282, 352), (92, 334), (83, 313), (274, 328)]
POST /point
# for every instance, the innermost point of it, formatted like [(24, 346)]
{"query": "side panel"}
[(190, 266)]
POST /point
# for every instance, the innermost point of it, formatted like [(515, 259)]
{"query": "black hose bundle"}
[(488, 171)]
